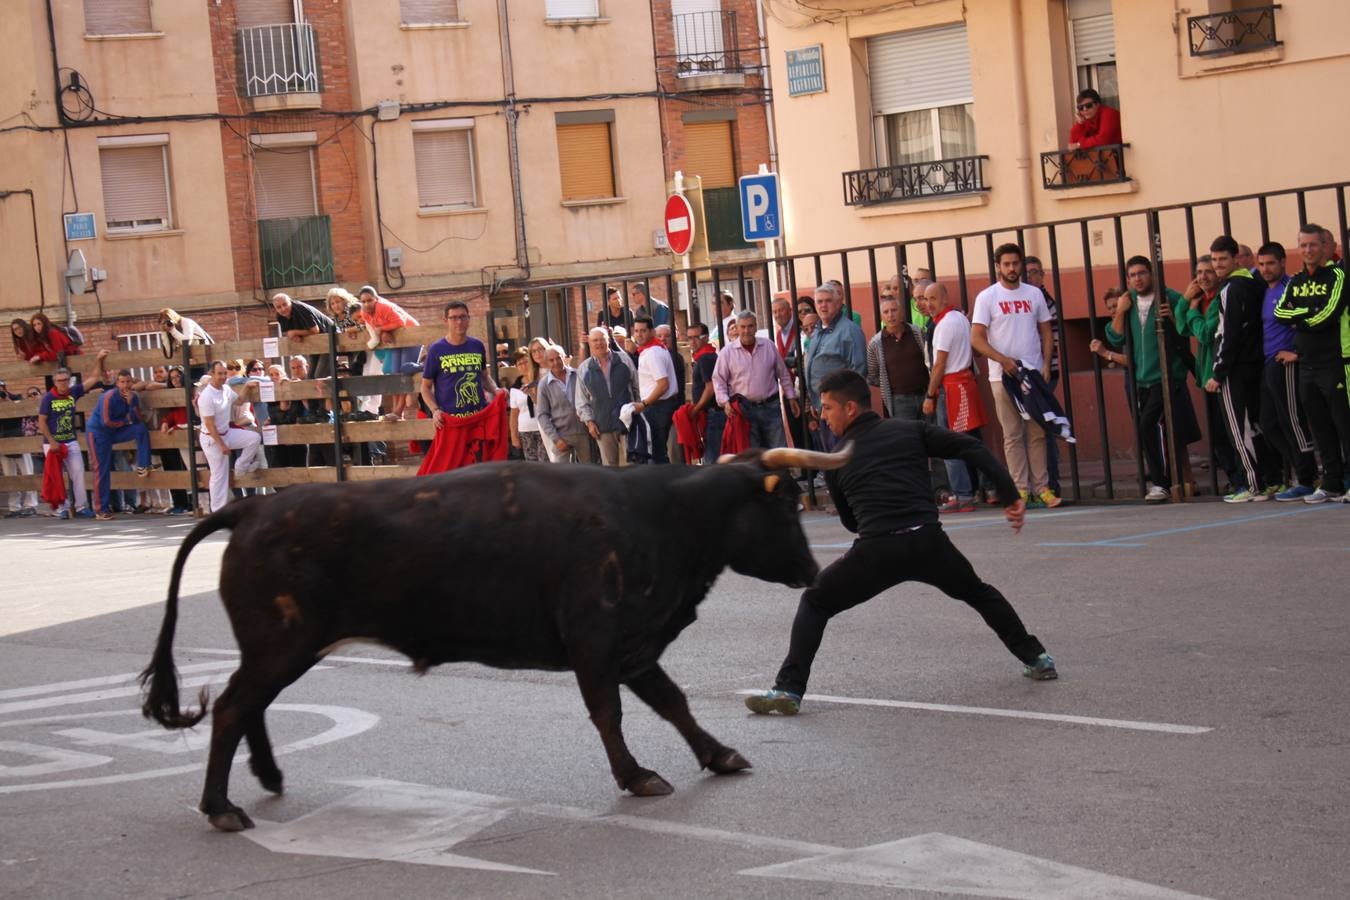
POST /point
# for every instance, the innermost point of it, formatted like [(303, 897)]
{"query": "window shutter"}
[(283, 182), (117, 17), (444, 162), (1094, 41), (919, 69), (572, 9), (707, 153), (254, 13), (135, 188), (586, 161), (428, 12)]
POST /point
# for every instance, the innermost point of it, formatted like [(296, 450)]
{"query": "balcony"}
[(279, 66), (708, 54), (295, 251), (915, 181), (722, 213), (1061, 169), (1239, 31)]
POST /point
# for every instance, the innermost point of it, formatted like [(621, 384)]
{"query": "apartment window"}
[(572, 9), (922, 100), (260, 13), (586, 154), (428, 12), (135, 172), (443, 156), (1093, 36), (283, 177), (708, 153), (117, 17)]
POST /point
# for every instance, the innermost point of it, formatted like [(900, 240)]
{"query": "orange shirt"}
[(386, 316)]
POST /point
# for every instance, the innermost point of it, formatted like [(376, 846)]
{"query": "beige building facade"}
[(939, 114)]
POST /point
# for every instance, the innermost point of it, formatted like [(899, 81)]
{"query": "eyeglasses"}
[(1084, 107), (457, 317), (255, 369)]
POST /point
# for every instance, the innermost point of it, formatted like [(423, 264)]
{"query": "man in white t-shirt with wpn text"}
[(1011, 327)]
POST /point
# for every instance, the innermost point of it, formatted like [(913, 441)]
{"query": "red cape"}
[(465, 440), (53, 480)]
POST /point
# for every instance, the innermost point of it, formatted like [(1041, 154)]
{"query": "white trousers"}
[(75, 469), (248, 443), (19, 465)]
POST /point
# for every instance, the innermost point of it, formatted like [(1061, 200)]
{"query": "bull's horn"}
[(791, 457)]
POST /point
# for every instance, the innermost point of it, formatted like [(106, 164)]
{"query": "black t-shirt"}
[(703, 373), (681, 376), (304, 317)]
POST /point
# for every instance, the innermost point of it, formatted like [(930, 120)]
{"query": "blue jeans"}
[(958, 473), (659, 417), (766, 423), (101, 441), (712, 442)]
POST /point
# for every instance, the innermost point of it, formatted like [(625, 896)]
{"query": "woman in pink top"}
[(383, 318)]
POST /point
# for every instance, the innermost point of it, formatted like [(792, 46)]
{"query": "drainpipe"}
[(1022, 115), (779, 245), (512, 139)]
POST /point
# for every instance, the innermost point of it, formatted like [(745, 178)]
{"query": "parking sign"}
[(761, 218)]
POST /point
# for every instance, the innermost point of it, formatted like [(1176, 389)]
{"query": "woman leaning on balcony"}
[(1095, 124)]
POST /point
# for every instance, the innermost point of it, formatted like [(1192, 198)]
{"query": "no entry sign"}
[(679, 224)]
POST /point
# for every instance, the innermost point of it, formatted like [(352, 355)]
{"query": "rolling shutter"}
[(1094, 33), (253, 13), (919, 69), (117, 17), (707, 153), (572, 9), (283, 182), (135, 186), (444, 163), (428, 12), (586, 161)]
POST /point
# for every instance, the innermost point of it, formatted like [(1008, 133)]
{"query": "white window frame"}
[(439, 23), (142, 226), (452, 125), (883, 149), (598, 14)]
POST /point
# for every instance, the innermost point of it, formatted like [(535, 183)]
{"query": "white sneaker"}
[(1156, 494), (1317, 496)]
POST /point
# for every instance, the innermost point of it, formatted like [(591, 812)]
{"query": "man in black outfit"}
[(883, 496)]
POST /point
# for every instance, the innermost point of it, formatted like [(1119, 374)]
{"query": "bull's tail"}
[(159, 681)]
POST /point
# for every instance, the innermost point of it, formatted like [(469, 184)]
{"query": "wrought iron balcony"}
[(708, 51), (1238, 31), (915, 181), (295, 251), (278, 59), (1079, 168), (722, 213)]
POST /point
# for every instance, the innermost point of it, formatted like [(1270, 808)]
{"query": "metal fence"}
[(297, 250), (915, 181), (278, 59), (1076, 168), (1238, 31)]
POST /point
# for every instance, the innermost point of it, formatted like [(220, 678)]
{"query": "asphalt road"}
[(1194, 745)]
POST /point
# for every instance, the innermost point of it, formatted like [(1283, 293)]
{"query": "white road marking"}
[(60, 686), (399, 663), (1010, 714), (402, 822), (943, 864), (347, 722), (56, 760), (95, 696)]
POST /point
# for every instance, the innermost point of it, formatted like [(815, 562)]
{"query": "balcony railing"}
[(915, 181), (295, 251), (1078, 168), (278, 59), (722, 212), (1238, 31), (707, 43)]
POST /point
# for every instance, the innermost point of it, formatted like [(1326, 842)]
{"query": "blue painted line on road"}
[(1146, 535), (986, 523)]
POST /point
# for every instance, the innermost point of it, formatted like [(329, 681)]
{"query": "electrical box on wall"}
[(660, 241), (393, 257)]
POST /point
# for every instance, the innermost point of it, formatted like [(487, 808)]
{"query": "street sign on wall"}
[(760, 208), (80, 226), (679, 224), (806, 71)]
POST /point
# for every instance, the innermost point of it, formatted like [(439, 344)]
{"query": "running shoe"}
[(1043, 669), (63, 514), (103, 515), (1297, 492), (776, 701), (1156, 494), (1049, 500), (1243, 496), (1319, 496), (85, 513), (957, 505)]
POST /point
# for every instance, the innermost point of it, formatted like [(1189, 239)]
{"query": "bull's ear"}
[(770, 482)]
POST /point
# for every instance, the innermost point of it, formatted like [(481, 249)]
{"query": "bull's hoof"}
[(649, 784), (233, 819), (727, 761), (271, 781)]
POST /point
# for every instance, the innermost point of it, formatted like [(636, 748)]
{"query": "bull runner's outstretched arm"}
[(947, 444)]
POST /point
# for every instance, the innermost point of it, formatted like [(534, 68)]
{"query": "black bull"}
[(614, 565)]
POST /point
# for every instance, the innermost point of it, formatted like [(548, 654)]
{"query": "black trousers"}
[(172, 461), (1240, 401), (1282, 421), (1322, 391), (1152, 433), (1218, 436), (874, 564)]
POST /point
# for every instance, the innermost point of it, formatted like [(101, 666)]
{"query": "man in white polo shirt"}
[(1011, 328), (656, 387), (216, 404)]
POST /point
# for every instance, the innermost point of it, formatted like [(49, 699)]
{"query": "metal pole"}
[(1129, 351), (961, 275), (191, 428), (804, 396), (335, 394), (1164, 363), (876, 289), (1065, 374), (1091, 289)]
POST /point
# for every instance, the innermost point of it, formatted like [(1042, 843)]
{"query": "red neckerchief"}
[(791, 339), (704, 351), (649, 345), (939, 317), (1205, 301)]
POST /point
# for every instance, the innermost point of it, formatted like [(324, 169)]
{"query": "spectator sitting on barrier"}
[(384, 319), (26, 345), (116, 417), (41, 341), (177, 330), (1095, 124), (298, 321)]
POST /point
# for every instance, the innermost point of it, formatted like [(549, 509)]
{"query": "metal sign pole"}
[(191, 429), (1178, 491)]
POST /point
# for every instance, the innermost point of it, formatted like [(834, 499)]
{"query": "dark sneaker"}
[(1043, 669), (63, 514), (774, 701), (85, 513)]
